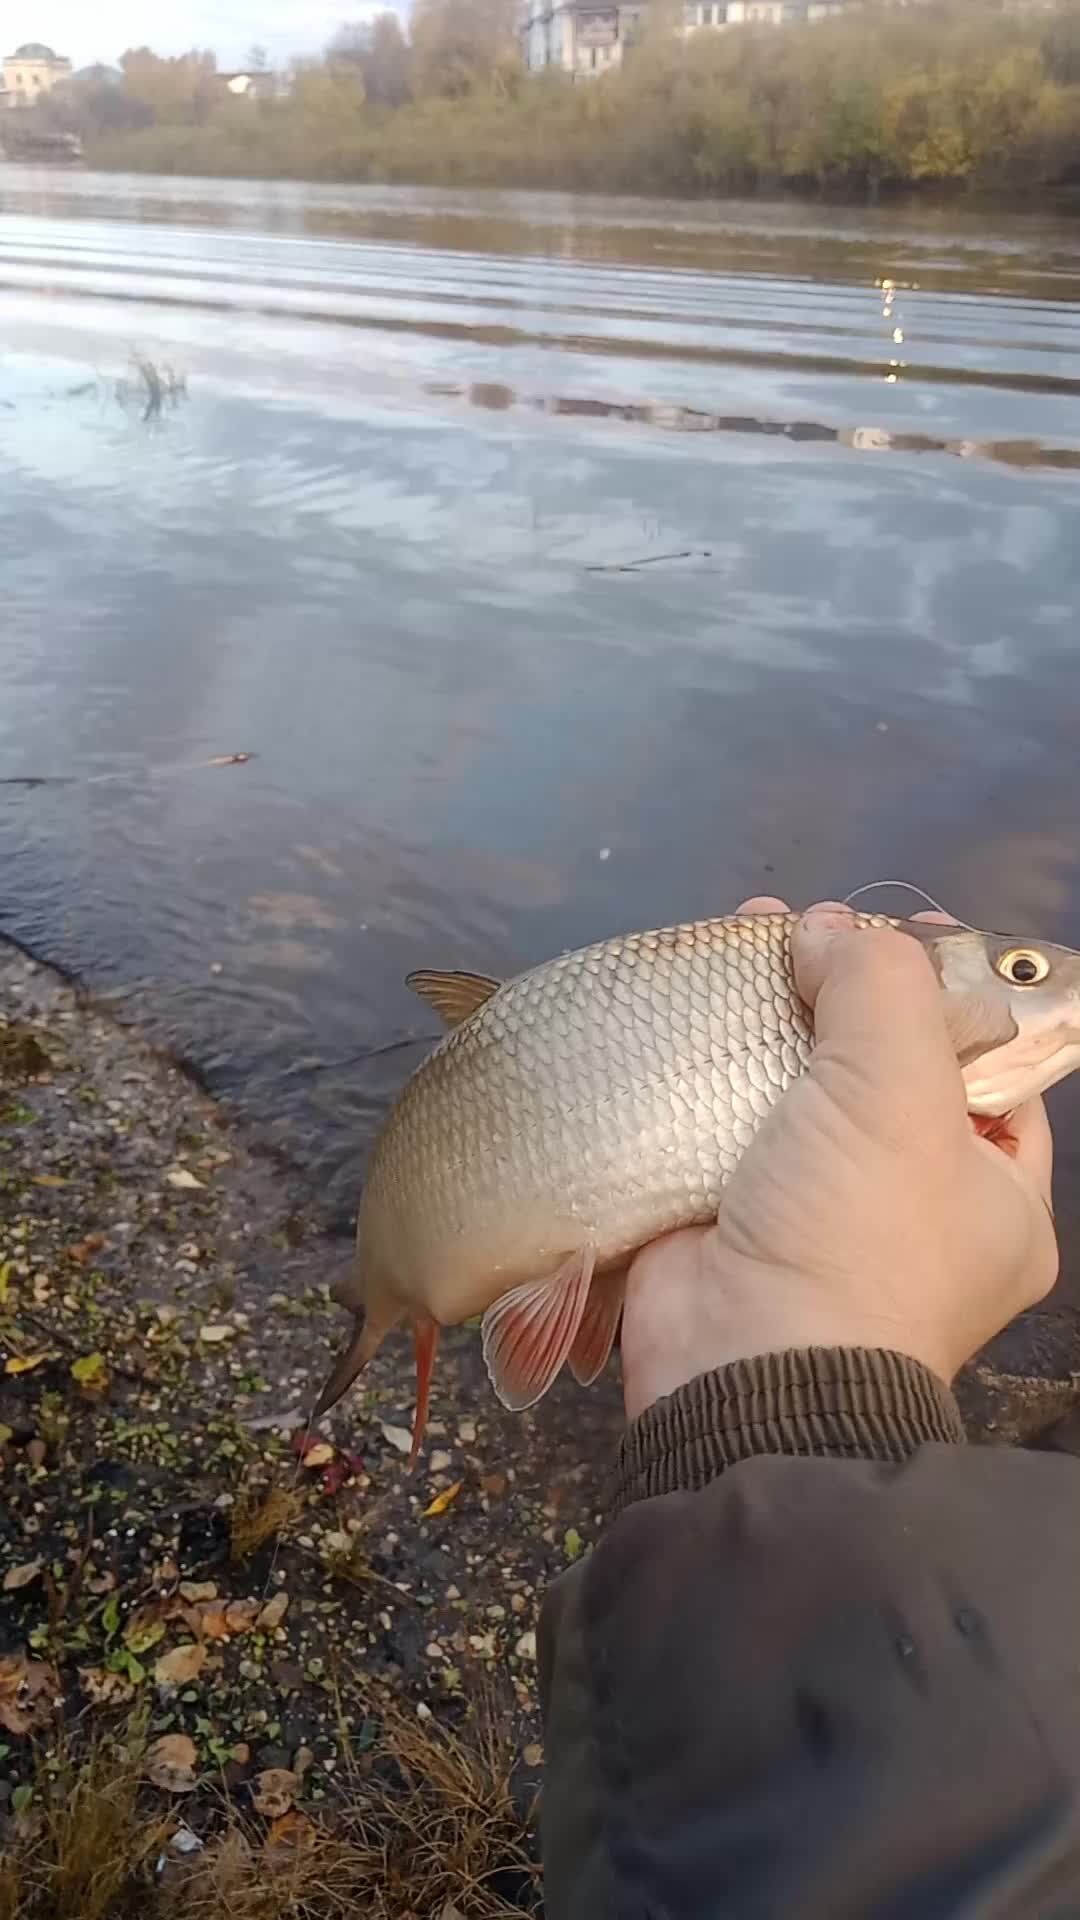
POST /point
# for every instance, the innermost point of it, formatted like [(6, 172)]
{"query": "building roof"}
[(36, 50)]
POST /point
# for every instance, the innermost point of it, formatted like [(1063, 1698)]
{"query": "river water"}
[(566, 565)]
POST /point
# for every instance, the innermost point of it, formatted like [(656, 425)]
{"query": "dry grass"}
[(258, 1514), (425, 1824), (82, 1849)]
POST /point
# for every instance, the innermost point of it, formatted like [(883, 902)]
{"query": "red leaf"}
[(345, 1466)]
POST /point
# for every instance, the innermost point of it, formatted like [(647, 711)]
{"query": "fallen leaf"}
[(215, 1333), (17, 1577), (180, 1177), (318, 1455), (291, 1830), (533, 1754), (6, 1434), (5, 1281), (198, 1590), (303, 1761), (28, 1691), (442, 1501), (36, 1452), (275, 1790), (170, 1763), (273, 1613), (399, 1437), (208, 1620), (344, 1466), (143, 1630), (49, 1180), (104, 1689), (25, 1362), (573, 1543), (82, 1249), (101, 1582), (241, 1615), (181, 1666), (91, 1372)]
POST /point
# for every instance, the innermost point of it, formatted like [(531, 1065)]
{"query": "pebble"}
[(440, 1461), (526, 1646)]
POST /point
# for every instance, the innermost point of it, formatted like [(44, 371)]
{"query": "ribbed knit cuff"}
[(833, 1402)]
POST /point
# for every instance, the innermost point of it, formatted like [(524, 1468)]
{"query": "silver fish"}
[(581, 1110)]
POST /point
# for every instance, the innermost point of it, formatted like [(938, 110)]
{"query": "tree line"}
[(973, 94)]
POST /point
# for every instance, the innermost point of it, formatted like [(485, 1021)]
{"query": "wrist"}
[(736, 1312), (840, 1403)]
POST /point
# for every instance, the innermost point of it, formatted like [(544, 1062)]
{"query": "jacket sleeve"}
[(825, 1663)]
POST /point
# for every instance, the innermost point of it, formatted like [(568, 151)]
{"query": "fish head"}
[(1014, 1013)]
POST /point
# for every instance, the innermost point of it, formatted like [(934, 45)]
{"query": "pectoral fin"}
[(599, 1324), (528, 1334), (454, 996)]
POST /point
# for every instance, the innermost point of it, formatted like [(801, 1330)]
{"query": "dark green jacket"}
[(825, 1664)]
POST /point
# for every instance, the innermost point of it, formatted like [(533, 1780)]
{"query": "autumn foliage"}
[(973, 94)]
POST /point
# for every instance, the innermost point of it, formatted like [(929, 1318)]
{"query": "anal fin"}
[(595, 1336), (528, 1334)]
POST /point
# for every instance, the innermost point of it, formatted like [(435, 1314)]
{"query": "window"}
[(706, 16)]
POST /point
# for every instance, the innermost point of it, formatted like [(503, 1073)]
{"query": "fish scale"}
[(608, 1093), (603, 1099)]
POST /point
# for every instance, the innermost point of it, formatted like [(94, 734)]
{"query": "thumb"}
[(877, 1006)]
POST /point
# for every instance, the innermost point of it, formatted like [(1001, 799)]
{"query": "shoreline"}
[(164, 1553)]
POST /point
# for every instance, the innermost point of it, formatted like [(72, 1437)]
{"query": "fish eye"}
[(1023, 966)]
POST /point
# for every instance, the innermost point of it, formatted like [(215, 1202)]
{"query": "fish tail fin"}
[(371, 1324), (426, 1343)]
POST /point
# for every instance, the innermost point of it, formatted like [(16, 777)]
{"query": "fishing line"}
[(306, 1429), (908, 887)]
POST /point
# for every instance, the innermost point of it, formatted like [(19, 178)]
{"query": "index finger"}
[(879, 1016)]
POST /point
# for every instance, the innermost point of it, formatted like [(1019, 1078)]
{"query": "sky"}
[(230, 27)]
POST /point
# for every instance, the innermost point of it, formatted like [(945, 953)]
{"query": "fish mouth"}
[(996, 1084)]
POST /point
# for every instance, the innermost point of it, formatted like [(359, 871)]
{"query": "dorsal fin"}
[(453, 995)]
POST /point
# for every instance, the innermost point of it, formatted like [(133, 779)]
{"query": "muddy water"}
[(565, 565)]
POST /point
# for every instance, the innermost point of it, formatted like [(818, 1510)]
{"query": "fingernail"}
[(821, 922)]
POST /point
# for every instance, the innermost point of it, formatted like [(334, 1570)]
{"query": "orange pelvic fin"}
[(426, 1342), (595, 1336), (997, 1129), (528, 1334)]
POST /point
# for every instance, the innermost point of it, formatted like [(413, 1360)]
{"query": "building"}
[(30, 72), (583, 38), (249, 84), (578, 37)]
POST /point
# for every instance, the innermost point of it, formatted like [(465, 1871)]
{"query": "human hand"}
[(866, 1212)]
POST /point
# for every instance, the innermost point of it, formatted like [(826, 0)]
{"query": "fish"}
[(577, 1112)]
